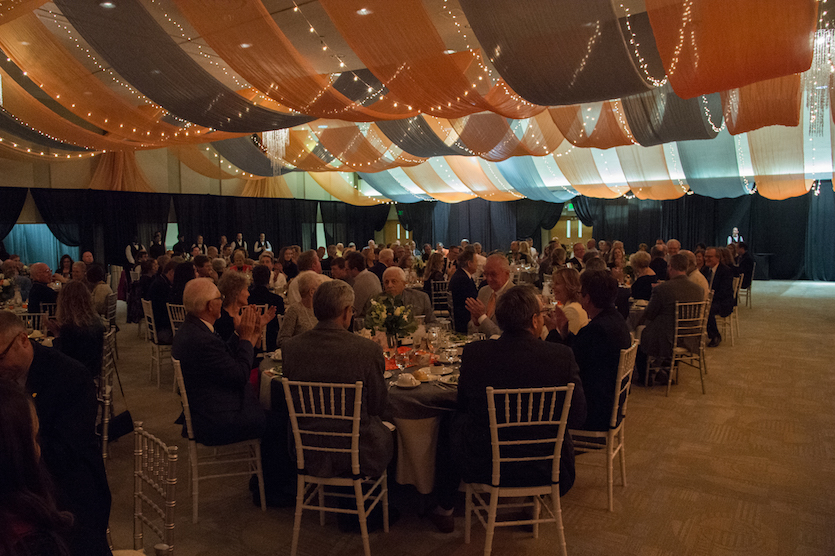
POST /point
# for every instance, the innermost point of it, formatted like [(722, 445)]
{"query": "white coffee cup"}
[(406, 379)]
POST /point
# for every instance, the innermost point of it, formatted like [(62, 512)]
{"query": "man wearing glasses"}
[(65, 400)]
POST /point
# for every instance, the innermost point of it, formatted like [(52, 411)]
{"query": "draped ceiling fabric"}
[(13, 200), (471, 174), (523, 176), (118, 171), (588, 55), (193, 157), (578, 166), (777, 156), (414, 136), (12, 10), (602, 126), (272, 187), (660, 116), (646, 172), (337, 186), (427, 179), (245, 154), (711, 168), (771, 102), (10, 125), (412, 63), (142, 52), (389, 187), (714, 45)]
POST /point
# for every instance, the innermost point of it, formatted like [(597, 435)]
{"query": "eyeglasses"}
[(9, 347)]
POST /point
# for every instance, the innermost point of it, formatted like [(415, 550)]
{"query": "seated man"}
[(518, 359), (597, 345), (65, 401), (40, 292), (330, 353), (394, 281), (746, 265), (720, 278), (365, 283), (483, 309), (660, 314), (158, 294), (308, 260), (224, 407), (462, 287)]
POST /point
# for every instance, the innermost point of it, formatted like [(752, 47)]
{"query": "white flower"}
[(398, 311)]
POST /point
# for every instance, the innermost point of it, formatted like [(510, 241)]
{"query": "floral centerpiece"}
[(419, 265), (388, 314), (6, 288)]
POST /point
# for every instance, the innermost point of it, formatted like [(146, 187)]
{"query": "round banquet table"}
[(417, 414)]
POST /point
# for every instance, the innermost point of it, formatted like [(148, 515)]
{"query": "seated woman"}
[(278, 280), (234, 289), (565, 283), (551, 264), (525, 255), (65, 267), (239, 262), (617, 262), (78, 329), (291, 270), (433, 272), (95, 281), (260, 294), (30, 523), (182, 275), (645, 277), (300, 317)]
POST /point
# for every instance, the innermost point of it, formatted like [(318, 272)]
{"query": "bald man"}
[(483, 310), (394, 284), (40, 292)]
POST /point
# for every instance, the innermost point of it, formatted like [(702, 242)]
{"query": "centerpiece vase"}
[(393, 341)]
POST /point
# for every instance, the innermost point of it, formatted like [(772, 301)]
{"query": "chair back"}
[(517, 413), (111, 304), (108, 361), (691, 320), (439, 291), (623, 380), (181, 384), (311, 404), (148, 309), (155, 484), (49, 308), (176, 314), (736, 284), (33, 321)]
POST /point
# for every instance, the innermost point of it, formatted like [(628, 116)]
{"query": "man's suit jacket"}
[(575, 263), (366, 285), (515, 360), (417, 299), (597, 348), (40, 293), (489, 326), (378, 269), (329, 353), (657, 337), (723, 289), (158, 294), (746, 267), (65, 400), (659, 266), (224, 407), (462, 287)]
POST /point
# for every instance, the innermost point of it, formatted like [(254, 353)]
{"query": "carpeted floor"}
[(747, 469)]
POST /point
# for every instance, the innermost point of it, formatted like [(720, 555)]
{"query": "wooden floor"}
[(747, 469)]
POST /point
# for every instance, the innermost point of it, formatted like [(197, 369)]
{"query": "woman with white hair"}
[(299, 317)]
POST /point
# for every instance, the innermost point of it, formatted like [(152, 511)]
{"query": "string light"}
[(641, 62)]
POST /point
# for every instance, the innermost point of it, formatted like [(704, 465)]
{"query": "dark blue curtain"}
[(532, 216), (13, 200), (418, 218), (777, 227), (68, 215), (820, 234), (122, 215), (489, 223), (346, 223), (585, 210)]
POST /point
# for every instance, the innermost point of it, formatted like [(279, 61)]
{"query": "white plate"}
[(387, 374), (437, 371), (450, 379)]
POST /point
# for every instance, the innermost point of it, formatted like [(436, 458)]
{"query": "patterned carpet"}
[(747, 469)]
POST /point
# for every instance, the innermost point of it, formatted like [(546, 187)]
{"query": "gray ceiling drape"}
[(414, 136), (661, 116), (719, 179), (11, 125), (554, 52), (389, 187), (245, 154), (144, 54)]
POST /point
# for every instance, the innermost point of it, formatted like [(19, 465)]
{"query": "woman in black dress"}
[(645, 277), (78, 329)]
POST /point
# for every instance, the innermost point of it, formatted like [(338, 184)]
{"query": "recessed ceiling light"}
[(24, 43), (363, 11), (322, 127), (448, 51), (245, 45), (107, 5)]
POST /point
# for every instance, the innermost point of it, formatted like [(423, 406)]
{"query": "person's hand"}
[(556, 320), (268, 316), (246, 325), (476, 309), (59, 278)]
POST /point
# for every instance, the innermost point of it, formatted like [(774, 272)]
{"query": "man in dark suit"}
[(576, 261), (384, 260), (720, 278), (462, 287), (40, 291), (158, 294), (660, 314), (330, 353), (518, 359), (65, 400), (659, 261), (746, 265), (597, 345)]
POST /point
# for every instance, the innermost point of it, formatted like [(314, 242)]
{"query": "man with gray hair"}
[(40, 292), (309, 260), (394, 284), (692, 275), (483, 309), (384, 260), (330, 353)]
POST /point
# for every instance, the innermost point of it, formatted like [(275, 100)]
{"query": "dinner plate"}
[(452, 380), (437, 370)]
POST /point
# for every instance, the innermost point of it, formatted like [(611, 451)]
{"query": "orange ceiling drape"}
[(273, 65), (646, 172), (714, 45), (610, 128), (35, 50), (336, 185), (777, 157), (359, 153), (9, 11), (403, 49), (771, 102), (471, 174), (273, 187), (119, 171), (579, 168), (192, 156), (426, 178)]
